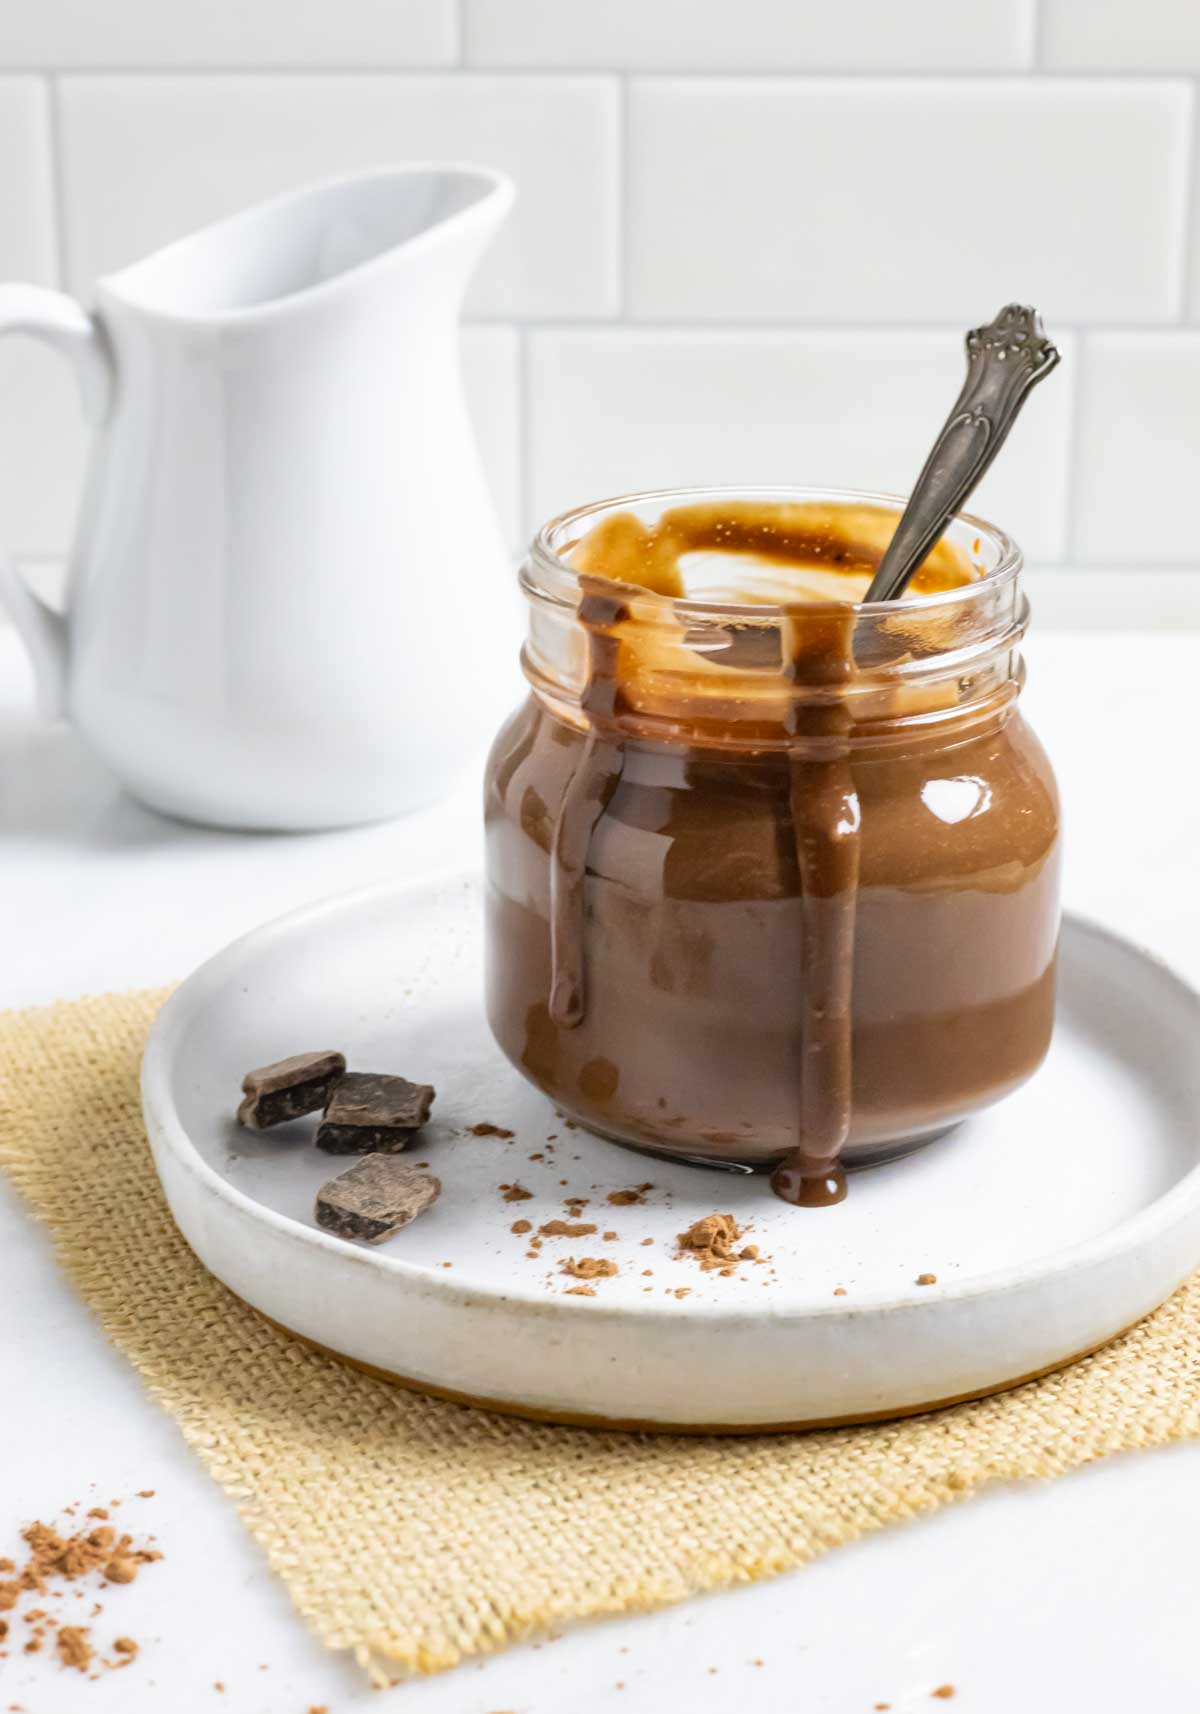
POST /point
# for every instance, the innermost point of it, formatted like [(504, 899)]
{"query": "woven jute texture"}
[(417, 1532)]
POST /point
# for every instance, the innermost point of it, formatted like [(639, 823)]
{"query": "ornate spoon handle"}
[(1005, 361)]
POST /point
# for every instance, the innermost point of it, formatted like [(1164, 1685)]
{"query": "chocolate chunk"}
[(375, 1198), (289, 1088), (370, 1114)]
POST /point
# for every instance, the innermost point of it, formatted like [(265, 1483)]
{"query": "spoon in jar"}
[(1005, 361)]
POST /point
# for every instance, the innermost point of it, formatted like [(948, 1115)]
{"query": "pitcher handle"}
[(64, 324)]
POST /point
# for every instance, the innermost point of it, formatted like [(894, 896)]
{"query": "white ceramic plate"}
[(1051, 1222)]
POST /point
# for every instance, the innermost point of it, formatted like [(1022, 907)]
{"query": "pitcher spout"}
[(299, 247)]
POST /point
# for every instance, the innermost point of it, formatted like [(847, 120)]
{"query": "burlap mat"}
[(417, 1532)]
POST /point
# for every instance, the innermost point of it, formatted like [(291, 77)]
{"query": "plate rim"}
[(163, 1122)]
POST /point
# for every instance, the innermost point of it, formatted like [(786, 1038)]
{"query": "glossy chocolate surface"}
[(766, 909)]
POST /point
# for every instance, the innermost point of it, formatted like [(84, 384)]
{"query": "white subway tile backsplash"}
[(1139, 448), (26, 188), (745, 244), (1121, 35), (1167, 599), (759, 35), (620, 410), (228, 33), (147, 159), (491, 378), (906, 200)]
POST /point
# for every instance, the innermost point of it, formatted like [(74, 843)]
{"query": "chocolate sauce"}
[(789, 945), (588, 790), (818, 652)]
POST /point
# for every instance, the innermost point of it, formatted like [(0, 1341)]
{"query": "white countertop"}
[(1080, 1593)]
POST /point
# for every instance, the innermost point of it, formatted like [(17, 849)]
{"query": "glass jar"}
[(771, 883)]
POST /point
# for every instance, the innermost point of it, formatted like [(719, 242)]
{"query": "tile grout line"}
[(58, 198), (1036, 74), (1071, 482), (889, 330), (624, 180), (1191, 212), (1037, 36), (525, 523)]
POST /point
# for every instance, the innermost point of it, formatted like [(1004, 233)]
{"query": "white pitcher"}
[(287, 578)]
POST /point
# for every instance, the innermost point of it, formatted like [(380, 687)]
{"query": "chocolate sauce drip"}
[(818, 656), (590, 785)]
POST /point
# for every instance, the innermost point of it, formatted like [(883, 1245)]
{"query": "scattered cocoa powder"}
[(54, 1557), (74, 1648), (710, 1241), (589, 1268), (519, 1226), (608, 1236), (486, 1129), (566, 1229), (627, 1198), (51, 1554), (516, 1193)]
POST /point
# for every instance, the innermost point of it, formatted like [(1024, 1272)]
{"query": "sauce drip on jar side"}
[(589, 787), (815, 655), (818, 652)]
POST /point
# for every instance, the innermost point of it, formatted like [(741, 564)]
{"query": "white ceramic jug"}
[(287, 578)]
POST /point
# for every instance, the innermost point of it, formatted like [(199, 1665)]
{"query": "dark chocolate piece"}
[(372, 1114), (289, 1088), (375, 1198)]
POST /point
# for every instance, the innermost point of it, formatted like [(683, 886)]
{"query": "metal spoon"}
[(1005, 361)]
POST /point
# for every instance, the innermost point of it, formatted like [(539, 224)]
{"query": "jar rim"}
[(559, 581)]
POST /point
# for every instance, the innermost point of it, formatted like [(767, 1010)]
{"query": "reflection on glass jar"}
[(772, 878)]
